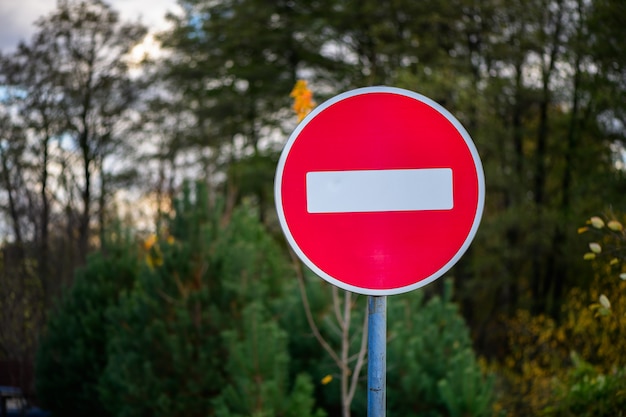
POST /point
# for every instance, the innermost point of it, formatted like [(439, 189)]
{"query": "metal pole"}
[(376, 356)]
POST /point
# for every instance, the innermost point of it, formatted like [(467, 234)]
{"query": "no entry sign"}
[(379, 190)]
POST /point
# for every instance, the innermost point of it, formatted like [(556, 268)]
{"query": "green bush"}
[(258, 383), (432, 368), (198, 335), (209, 322), (585, 392), (72, 351)]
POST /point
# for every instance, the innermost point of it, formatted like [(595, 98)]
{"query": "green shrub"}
[(585, 392), (258, 380), (72, 351), (432, 369), (186, 341)]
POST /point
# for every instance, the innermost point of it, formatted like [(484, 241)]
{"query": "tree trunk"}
[(83, 226), (15, 220), (44, 222), (558, 270), (540, 278)]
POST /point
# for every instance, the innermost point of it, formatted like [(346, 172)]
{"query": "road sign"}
[(379, 190)]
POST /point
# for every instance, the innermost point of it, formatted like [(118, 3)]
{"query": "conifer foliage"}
[(195, 336), (187, 328), (205, 320), (72, 352), (433, 369)]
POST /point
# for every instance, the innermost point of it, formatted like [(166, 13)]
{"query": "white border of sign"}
[(369, 90)]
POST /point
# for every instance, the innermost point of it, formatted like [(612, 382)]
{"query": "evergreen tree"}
[(173, 350), (72, 352), (432, 368), (236, 62), (258, 372)]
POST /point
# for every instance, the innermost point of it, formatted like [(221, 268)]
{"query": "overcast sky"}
[(17, 16)]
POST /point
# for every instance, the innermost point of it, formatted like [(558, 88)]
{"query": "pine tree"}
[(183, 338), (432, 369), (258, 372), (72, 353)]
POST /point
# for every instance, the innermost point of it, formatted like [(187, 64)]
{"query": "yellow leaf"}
[(302, 99), (597, 222), (615, 226), (149, 242), (154, 260), (582, 230), (604, 301), (298, 88), (327, 379), (589, 256)]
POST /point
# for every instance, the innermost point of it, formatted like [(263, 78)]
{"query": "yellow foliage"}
[(149, 242), (615, 226), (595, 247), (610, 241), (596, 222), (302, 99), (541, 349), (592, 327), (154, 257)]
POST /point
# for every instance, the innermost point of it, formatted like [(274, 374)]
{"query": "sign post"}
[(377, 355), (379, 191)]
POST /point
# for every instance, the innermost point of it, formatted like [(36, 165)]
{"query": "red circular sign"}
[(379, 190)]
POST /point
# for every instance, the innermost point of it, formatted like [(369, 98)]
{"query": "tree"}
[(65, 94), (538, 84), (70, 92), (518, 75), (533, 152), (344, 342), (344, 304), (32, 90), (235, 75), (13, 147), (186, 340), (22, 293), (258, 382), (432, 366), (230, 66), (574, 365), (88, 45), (72, 353)]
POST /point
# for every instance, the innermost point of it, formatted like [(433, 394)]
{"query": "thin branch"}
[(360, 361), (336, 307), (345, 334), (309, 315), (345, 353)]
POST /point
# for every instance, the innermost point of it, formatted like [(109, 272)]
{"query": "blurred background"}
[(142, 268)]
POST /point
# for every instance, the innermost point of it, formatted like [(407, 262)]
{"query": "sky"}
[(17, 17)]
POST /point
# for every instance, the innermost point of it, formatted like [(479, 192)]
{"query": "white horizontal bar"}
[(379, 190)]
